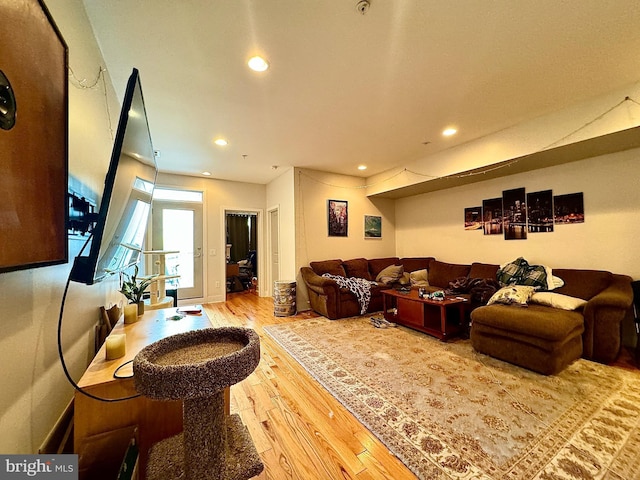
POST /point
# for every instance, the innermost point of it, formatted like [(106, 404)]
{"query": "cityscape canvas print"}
[(518, 213), (492, 216), (568, 208), (473, 218), (514, 211), (540, 211)]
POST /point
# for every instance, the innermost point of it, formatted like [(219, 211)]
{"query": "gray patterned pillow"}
[(513, 295)]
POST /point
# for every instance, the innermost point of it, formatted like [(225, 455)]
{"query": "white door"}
[(274, 246), (177, 226)]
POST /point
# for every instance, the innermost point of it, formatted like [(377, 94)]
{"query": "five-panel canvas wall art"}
[(517, 213)]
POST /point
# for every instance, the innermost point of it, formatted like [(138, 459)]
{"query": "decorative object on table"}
[(337, 218), (197, 367), (133, 288), (372, 226), (438, 295), (108, 318), (115, 346), (131, 313)]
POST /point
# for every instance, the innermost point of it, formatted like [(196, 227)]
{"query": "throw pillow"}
[(333, 267), (553, 282), (390, 274), (419, 278), (512, 295), (558, 300), (357, 267)]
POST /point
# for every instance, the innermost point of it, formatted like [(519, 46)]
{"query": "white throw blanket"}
[(360, 287)]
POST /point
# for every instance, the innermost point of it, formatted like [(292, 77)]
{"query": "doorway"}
[(274, 248), (241, 252)]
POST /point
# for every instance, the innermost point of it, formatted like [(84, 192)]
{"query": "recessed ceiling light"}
[(447, 132), (221, 142), (258, 64), (206, 174), (362, 167)]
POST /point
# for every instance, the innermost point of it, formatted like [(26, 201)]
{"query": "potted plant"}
[(133, 288)]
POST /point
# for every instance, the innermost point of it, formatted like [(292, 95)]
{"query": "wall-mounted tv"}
[(118, 235)]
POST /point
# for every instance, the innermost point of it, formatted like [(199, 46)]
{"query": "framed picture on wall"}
[(492, 216), (514, 214), (473, 218), (372, 226), (540, 211), (337, 218), (569, 208)]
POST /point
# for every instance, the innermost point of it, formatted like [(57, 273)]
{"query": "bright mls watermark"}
[(50, 467)]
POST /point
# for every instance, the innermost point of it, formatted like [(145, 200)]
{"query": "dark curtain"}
[(241, 234), (253, 232)]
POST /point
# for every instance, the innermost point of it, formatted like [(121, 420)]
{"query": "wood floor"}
[(299, 429)]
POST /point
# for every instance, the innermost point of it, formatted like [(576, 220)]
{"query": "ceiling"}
[(345, 89)]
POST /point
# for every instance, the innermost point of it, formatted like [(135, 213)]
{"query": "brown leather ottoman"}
[(537, 337)]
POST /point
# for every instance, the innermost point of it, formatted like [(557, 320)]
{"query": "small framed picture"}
[(372, 226), (473, 218), (337, 218)]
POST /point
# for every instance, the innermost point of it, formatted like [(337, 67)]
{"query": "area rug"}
[(449, 412)]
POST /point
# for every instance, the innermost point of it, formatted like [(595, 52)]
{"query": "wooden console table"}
[(440, 318), (100, 428)]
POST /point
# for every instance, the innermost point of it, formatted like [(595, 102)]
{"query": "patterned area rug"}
[(449, 412)]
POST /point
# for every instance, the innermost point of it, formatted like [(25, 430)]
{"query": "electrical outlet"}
[(212, 252), (217, 283)]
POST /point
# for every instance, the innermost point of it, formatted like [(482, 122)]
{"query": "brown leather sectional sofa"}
[(542, 338)]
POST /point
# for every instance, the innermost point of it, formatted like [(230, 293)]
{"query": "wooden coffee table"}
[(440, 318)]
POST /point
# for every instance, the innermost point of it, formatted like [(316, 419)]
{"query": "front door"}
[(177, 226)]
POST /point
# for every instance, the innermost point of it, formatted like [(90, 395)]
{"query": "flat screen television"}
[(118, 235)]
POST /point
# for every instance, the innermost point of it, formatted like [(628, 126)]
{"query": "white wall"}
[(432, 224), (313, 190), (280, 195), (34, 389)]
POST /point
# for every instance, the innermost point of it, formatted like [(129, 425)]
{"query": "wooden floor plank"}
[(300, 430)]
